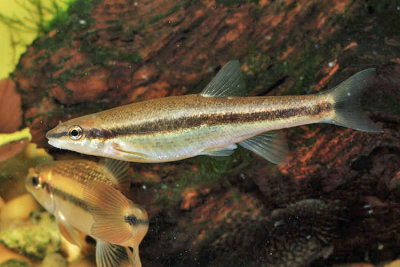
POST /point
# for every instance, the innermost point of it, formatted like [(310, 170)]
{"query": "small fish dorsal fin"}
[(271, 145), (227, 82), (119, 170), (110, 255)]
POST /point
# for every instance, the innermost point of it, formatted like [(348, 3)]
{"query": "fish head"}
[(75, 135), (38, 184)]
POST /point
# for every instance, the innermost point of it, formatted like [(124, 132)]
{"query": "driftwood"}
[(337, 199)]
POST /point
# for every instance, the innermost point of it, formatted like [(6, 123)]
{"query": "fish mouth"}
[(52, 142), (55, 143), (48, 134)]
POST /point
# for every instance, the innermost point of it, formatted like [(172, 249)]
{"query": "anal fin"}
[(271, 145)]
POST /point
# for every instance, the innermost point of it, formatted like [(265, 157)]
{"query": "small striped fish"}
[(211, 123), (83, 197)]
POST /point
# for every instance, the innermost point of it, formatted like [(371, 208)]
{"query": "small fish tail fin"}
[(133, 255), (110, 255), (347, 102), (109, 208)]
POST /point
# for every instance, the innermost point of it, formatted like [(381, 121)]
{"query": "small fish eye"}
[(75, 132), (35, 181)]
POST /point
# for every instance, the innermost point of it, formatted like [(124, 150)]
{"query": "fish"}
[(213, 122), (85, 197)]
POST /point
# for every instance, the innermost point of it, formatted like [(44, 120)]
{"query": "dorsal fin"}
[(271, 145), (119, 170), (227, 82)]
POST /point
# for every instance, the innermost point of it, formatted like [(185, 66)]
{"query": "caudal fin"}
[(347, 96), (110, 255)]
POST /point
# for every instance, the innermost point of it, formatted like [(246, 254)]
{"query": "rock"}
[(15, 263), (11, 149), (71, 251), (6, 254), (293, 236), (13, 171), (53, 260), (10, 107), (34, 241), (13, 143), (19, 208), (395, 263), (83, 262)]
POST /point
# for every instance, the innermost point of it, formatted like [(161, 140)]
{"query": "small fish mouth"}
[(48, 135), (53, 143)]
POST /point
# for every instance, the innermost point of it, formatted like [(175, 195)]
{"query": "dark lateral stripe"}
[(133, 220), (70, 198), (196, 121), (56, 135)]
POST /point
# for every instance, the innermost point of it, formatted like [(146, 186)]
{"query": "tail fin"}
[(347, 96), (116, 218), (110, 255), (133, 256)]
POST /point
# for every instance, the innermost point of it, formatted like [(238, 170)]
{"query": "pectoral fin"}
[(130, 155), (110, 255), (271, 145)]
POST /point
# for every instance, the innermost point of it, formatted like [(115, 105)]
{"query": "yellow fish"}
[(213, 122), (83, 196)]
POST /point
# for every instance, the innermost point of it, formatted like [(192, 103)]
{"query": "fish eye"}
[(75, 132), (35, 181)]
